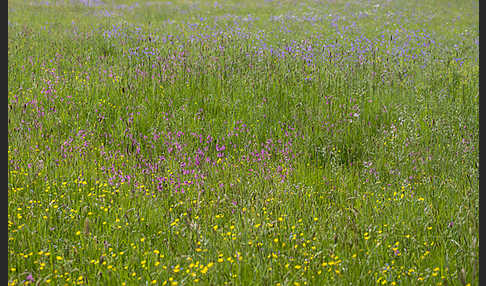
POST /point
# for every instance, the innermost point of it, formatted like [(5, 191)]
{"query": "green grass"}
[(243, 143)]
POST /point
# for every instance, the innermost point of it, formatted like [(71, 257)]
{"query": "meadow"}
[(252, 142)]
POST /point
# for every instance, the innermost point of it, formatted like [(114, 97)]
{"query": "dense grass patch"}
[(243, 142)]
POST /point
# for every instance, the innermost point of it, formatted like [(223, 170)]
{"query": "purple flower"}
[(29, 278)]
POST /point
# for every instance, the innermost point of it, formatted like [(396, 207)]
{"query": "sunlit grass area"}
[(243, 142)]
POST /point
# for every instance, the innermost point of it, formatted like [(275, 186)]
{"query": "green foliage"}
[(243, 142)]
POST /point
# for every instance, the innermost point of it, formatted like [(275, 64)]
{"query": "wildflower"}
[(29, 278)]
